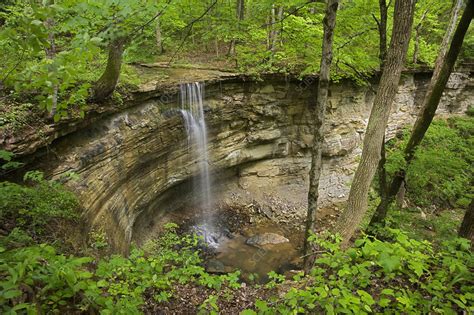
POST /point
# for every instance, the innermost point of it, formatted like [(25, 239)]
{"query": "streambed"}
[(252, 244)]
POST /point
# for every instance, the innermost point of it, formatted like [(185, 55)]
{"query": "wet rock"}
[(215, 266), (266, 239)]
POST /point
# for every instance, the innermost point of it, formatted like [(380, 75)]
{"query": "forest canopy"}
[(56, 50)]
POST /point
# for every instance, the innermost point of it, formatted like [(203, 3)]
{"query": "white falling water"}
[(192, 95)]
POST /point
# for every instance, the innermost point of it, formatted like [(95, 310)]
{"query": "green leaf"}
[(10, 294), (388, 262), (261, 305)]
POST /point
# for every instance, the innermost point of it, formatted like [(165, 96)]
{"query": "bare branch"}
[(376, 20)]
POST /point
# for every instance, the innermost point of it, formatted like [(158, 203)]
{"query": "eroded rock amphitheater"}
[(135, 165)]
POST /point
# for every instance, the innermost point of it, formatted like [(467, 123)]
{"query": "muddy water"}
[(256, 262)]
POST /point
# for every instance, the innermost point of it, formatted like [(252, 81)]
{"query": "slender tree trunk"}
[(388, 87), (382, 27), (417, 45), (240, 10), (271, 28), (401, 196), (105, 86), (417, 37), (443, 67), (329, 23), (51, 54), (279, 30), (467, 226), (382, 171), (159, 37), (274, 33)]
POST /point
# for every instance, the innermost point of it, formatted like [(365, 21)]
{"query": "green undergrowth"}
[(396, 274), (390, 276), (441, 173), (39, 279), (35, 211)]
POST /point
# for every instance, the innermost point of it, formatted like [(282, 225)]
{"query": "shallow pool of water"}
[(233, 253)]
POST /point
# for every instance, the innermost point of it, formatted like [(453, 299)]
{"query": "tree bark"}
[(329, 23), (357, 202), (159, 37), (382, 27), (382, 171), (467, 226), (106, 84), (443, 67)]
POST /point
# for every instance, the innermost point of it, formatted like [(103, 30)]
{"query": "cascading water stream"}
[(192, 110)]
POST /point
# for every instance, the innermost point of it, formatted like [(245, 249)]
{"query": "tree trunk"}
[(417, 44), (443, 68), (329, 23), (401, 196), (51, 54), (382, 27), (279, 30), (240, 11), (467, 226), (271, 28), (159, 37), (357, 202), (417, 38), (276, 15), (105, 86), (382, 172)]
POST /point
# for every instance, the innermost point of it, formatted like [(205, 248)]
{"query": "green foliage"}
[(38, 278), (436, 227), (442, 170), (54, 51), (32, 208), (391, 276), (8, 164)]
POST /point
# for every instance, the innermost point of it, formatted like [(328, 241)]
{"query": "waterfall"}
[(191, 96)]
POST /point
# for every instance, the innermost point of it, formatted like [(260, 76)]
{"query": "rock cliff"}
[(134, 166)]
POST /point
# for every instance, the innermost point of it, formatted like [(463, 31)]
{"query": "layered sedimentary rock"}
[(135, 165)]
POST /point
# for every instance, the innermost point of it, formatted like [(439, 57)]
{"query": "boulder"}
[(266, 239)]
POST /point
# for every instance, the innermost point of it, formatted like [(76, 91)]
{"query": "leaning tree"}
[(387, 89)]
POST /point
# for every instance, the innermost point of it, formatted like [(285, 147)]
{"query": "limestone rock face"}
[(266, 239), (134, 166)]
